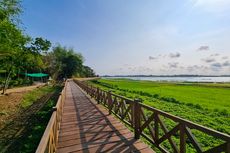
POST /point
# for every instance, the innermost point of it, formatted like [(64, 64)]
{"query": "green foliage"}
[(21, 54), (180, 100), (39, 121), (11, 37), (13, 51), (206, 95), (63, 62), (207, 105), (41, 118), (34, 95), (40, 45), (87, 72), (9, 9)]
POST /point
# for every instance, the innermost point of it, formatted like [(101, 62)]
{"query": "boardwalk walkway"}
[(88, 127)]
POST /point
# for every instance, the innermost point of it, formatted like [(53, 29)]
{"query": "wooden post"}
[(98, 96), (228, 148), (54, 108), (90, 90), (87, 88), (110, 101), (136, 113), (182, 139), (92, 94), (156, 126)]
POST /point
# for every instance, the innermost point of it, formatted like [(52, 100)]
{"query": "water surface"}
[(179, 79)]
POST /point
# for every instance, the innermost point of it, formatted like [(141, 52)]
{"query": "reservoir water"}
[(179, 79)]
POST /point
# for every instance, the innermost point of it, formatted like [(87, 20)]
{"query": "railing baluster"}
[(137, 118), (182, 139), (228, 147), (110, 102), (98, 96), (156, 127)]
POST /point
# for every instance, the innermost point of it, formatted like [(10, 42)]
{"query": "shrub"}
[(197, 106), (224, 112), (156, 96)]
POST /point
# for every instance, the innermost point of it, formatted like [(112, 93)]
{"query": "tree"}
[(11, 37), (33, 54), (63, 62), (40, 45), (25, 59), (20, 53), (88, 72)]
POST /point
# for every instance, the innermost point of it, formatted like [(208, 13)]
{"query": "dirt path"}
[(22, 89)]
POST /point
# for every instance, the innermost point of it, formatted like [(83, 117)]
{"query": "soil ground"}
[(15, 120), (9, 103)]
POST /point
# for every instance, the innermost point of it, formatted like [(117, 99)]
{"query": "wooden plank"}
[(92, 130), (88, 127), (79, 136), (119, 148), (105, 147), (97, 139)]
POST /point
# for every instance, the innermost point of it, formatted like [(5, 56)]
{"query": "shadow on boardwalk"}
[(88, 127)]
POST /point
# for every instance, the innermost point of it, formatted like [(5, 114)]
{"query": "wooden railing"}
[(179, 136), (49, 139)]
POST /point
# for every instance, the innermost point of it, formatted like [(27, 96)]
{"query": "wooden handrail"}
[(43, 145), (133, 113), (49, 139), (189, 123)]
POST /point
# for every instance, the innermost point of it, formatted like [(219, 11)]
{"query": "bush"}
[(156, 96), (197, 106), (27, 82), (224, 112), (13, 83)]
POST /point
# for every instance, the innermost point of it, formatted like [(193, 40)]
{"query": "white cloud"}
[(174, 55), (203, 48), (212, 5), (152, 58), (208, 60)]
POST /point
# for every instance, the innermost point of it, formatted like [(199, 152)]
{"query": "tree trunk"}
[(6, 82)]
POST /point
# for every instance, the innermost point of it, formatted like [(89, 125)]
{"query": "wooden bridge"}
[(80, 123)]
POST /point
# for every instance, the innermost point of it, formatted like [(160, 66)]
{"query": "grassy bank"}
[(22, 133), (39, 121), (205, 104), (34, 95)]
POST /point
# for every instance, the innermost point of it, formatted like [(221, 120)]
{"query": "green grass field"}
[(202, 103)]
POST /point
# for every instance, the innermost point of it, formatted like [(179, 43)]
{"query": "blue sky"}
[(136, 36)]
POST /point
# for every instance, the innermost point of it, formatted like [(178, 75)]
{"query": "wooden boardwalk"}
[(88, 127)]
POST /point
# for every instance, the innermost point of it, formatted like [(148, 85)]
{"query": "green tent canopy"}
[(36, 75)]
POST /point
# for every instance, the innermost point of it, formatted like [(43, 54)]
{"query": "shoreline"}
[(221, 80)]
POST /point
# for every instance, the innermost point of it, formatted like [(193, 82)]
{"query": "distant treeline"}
[(20, 53)]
